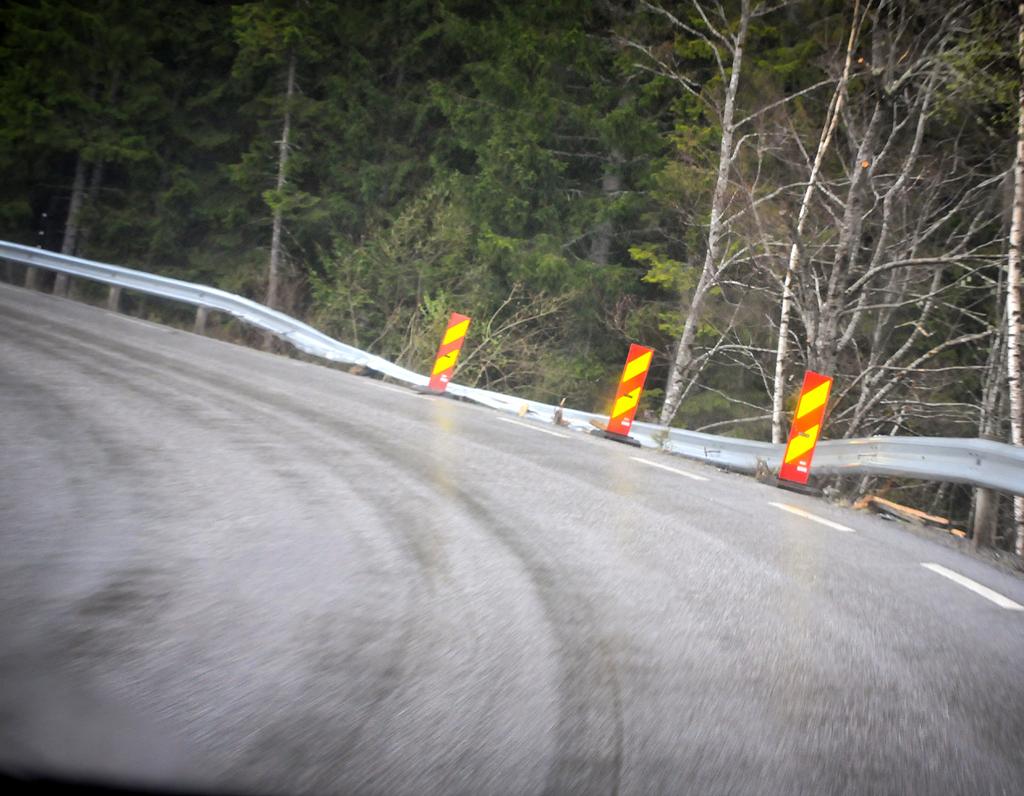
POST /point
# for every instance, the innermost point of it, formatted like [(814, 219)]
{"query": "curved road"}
[(227, 570)]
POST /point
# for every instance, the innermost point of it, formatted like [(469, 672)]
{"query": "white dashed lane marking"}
[(808, 516), (401, 390), (670, 469), (532, 427), (977, 588)]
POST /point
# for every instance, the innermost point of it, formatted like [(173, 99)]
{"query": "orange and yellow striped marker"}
[(631, 385), (448, 352), (806, 428)]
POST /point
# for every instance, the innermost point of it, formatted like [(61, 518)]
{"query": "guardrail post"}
[(202, 313), (986, 511), (60, 284), (32, 278), (114, 298)]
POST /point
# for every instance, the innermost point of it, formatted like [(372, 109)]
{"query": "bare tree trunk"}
[(98, 170), (831, 119), (1013, 295), (986, 514), (986, 501), (274, 269), (683, 358), (825, 334), (95, 183), (611, 184), (60, 285)]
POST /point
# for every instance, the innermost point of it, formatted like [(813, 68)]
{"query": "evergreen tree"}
[(81, 99)]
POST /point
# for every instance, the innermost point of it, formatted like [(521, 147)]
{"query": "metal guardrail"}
[(983, 463), (301, 335)]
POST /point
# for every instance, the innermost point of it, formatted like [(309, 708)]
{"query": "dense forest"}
[(751, 187)]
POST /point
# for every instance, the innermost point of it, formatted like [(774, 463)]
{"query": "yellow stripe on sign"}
[(637, 366), (812, 400), (626, 402), (455, 332), (802, 443), (444, 362)]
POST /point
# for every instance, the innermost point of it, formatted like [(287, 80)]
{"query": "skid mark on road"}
[(589, 726), (181, 391), (977, 588)]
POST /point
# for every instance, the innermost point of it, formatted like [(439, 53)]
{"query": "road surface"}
[(227, 570)]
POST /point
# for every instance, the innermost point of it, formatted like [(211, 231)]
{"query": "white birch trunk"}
[(684, 348), (831, 120), (1013, 295)]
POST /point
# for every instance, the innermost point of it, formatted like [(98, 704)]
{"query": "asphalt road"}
[(226, 570)]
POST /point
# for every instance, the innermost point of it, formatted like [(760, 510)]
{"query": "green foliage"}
[(981, 73), (663, 270), (373, 293)]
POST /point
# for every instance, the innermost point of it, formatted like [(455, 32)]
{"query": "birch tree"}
[(1013, 293), (828, 130), (727, 41), (888, 242), (728, 50)]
